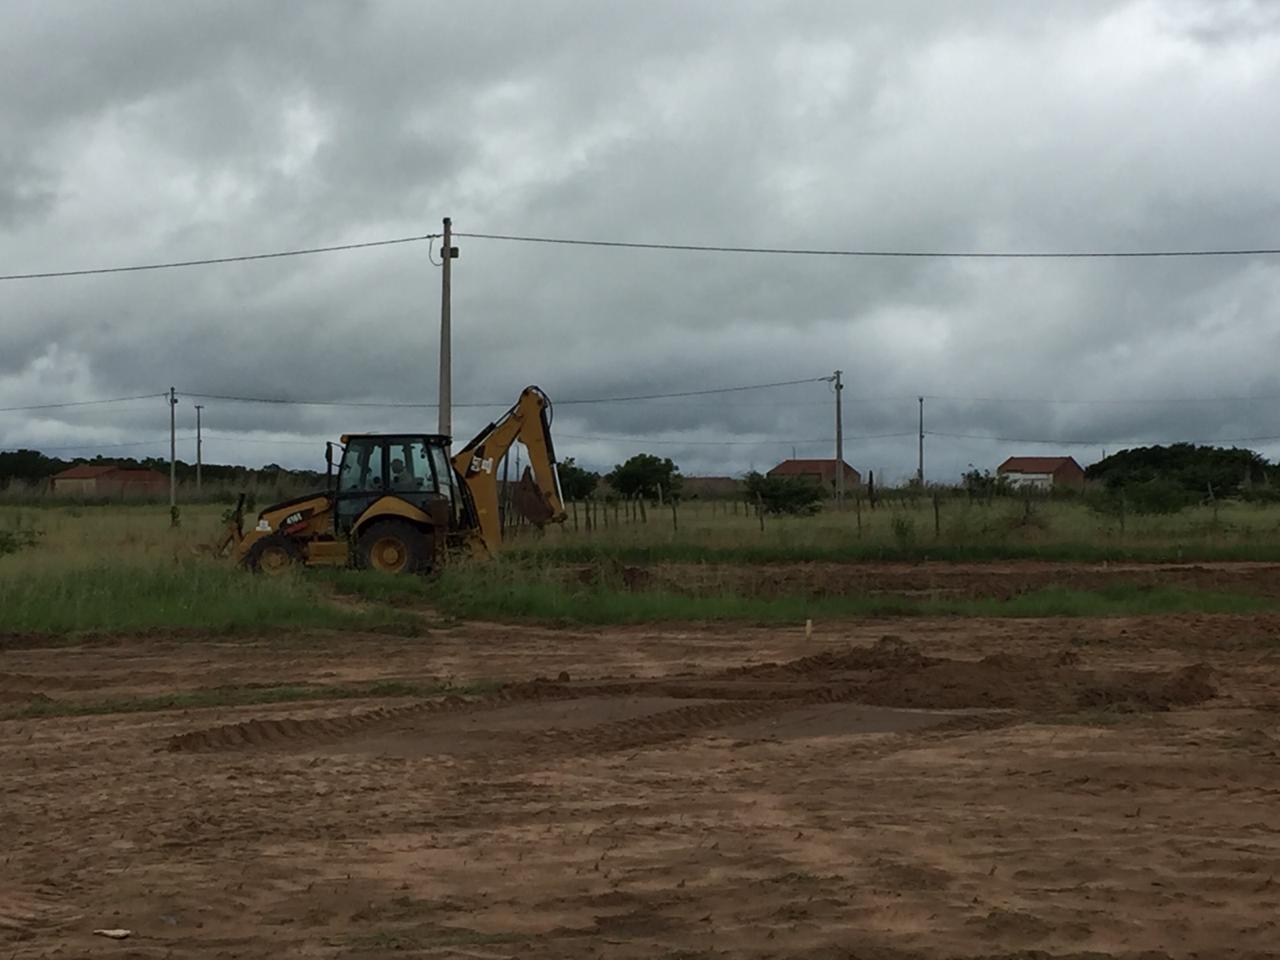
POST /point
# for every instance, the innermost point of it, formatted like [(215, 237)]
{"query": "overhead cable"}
[(920, 254), (1096, 443), (682, 247), (696, 442), (502, 404), (82, 403), (136, 268), (157, 441)]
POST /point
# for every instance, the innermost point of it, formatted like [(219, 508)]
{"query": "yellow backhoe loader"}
[(401, 503)]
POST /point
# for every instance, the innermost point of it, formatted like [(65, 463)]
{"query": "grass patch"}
[(509, 592), (240, 696), (192, 594), (870, 552), (374, 586)]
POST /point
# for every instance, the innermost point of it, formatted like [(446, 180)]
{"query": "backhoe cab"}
[(399, 502)]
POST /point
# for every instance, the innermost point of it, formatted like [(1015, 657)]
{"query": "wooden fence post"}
[(937, 517), (760, 511), (574, 504), (644, 516), (857, 509), (675, 522)]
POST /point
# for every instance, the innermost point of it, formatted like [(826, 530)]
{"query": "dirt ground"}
[(961, 580), (884, 789)]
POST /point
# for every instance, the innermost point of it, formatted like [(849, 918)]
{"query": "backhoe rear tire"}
[(274, 555), (393, 546)]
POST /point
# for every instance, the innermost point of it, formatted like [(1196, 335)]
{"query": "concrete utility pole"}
[(839, 441), (173, 458), (920, 466), (447, 253), (199, 447)]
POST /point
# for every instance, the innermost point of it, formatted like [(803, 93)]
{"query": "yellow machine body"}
[(399, 522)]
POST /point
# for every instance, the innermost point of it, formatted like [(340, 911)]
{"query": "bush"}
[(904, 531), (1159, 495), (793, 495), (15, 539)]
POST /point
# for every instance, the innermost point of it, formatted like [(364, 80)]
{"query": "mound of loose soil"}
[(895, 674)]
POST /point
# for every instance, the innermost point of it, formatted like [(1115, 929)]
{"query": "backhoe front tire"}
[(274, 555), (393, 546)]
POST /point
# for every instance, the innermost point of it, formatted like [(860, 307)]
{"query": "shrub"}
[(1159, 495), (15, 539), (904, 530), (794, 495)]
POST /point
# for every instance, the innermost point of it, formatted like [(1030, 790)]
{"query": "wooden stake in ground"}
[(937, 517), (675, 522), (173, 460)]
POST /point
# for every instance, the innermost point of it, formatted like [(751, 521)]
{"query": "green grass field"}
[(75, 569)]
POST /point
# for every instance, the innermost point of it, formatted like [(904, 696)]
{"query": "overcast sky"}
[(134, 132)]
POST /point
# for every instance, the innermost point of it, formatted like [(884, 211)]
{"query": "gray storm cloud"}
[(145, 131)]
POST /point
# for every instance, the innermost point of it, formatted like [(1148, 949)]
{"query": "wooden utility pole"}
[(839, 442), (173, 458), (447, 254), (199, 447), (920, 465)]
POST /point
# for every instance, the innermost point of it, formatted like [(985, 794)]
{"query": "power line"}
[(328, 403), (695, 393), (236, 439), (1097, 443), (503, 404), (82, 403), (682, 247), (920, 254), (135, 268), (156, 441), (694, 442), (1106, 402)]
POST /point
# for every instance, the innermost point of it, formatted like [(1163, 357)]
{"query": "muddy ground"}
[(884, 789)]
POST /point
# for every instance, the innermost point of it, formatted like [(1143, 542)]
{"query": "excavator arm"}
[(528, 422)]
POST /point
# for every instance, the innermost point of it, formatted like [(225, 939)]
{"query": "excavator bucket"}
[(530, 502), (233, 533)]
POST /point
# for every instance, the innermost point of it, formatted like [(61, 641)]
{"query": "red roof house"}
[(108, 480), (820, 471), (1043, 472)]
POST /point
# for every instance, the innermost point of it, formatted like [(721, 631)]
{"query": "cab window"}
[(410, 467), (361, 467), (444, 469)]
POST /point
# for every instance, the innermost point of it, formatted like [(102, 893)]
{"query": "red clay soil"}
[(929, 789)]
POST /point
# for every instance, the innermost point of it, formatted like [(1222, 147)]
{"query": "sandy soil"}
[(948, 788)]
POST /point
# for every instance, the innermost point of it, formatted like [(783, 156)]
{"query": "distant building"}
[(822, 472), (108, 480), (1043, 473)]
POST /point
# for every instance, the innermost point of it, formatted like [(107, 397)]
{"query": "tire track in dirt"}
[(300, 731), (888, 674)]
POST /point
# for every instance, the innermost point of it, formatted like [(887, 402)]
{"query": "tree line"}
[(32, 467), (1151, 479)]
